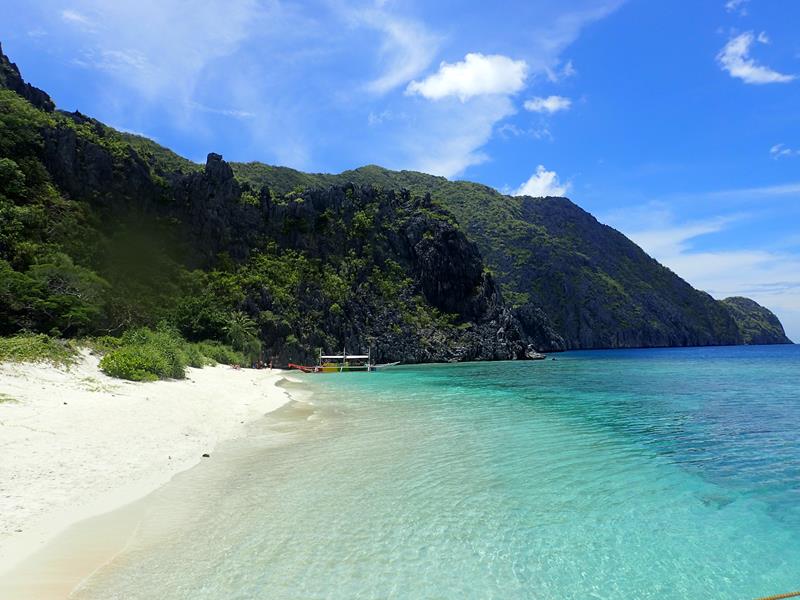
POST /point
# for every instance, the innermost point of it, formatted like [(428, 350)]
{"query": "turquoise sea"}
[(670, 473)]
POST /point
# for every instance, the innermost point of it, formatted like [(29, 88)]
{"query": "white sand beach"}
[(77, 443)]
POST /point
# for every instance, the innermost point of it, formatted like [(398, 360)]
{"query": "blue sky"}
[(676, 122)]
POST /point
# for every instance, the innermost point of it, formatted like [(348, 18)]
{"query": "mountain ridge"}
[(234, 224), (551, 244)]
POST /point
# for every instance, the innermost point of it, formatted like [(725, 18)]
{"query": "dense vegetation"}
[(104, 233), (757, 325), (574, 282), (110, 235), (145, 354)]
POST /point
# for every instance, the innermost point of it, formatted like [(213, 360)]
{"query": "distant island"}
[(104, 231)]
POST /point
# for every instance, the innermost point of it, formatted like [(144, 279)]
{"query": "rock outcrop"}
[(11, 79), (574, 283), (757, 325), (423, 241)]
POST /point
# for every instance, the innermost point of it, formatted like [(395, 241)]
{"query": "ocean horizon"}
[(665, 473)]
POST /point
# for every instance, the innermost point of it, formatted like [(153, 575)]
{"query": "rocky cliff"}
[(573, 282), (757, 325), (11, 79)]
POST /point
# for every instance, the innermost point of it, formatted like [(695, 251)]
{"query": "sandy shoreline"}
[(76, 443)]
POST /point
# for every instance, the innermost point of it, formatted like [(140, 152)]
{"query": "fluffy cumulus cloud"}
[(735, 59), (477, 75), (542, 183), (447, 137), (549, 105)]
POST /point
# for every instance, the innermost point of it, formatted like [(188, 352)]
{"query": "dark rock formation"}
[(600, 290), (207, 204), (757, 325), (574, 282), (11, 79), (445, 269), (88, 171)]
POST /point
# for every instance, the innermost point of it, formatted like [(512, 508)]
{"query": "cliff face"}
[(757, 325), (573, 282), (11, 79), (345, 226), (600, 290)]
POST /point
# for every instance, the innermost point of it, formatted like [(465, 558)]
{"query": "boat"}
[(384, 365), (342, 363)]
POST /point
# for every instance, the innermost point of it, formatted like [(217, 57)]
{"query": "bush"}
[(138, 363), (195, 357), (29, 347), (147, 355), (220, 353), (102, 344)]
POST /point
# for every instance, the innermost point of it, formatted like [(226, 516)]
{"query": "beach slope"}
[(76, 443)]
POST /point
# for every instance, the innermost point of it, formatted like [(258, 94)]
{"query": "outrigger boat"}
[(342, 363)]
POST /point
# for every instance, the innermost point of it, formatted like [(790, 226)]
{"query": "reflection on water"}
[(628, 474)]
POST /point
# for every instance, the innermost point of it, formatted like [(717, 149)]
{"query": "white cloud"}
[(508, 130), (769, 191), (566, 71), (735, 58), (540, 39), (73, 16), (672, 240), (476, 75), (164, 57), (306, 92), (542, 183), (737, 6), (446, 136), (225, 112), (781, 151), (550, 104), (407, 49)]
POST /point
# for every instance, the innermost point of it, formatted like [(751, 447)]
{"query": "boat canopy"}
[(343, 356)]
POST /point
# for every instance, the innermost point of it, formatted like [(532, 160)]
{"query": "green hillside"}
[(102, 232), (563, 271)]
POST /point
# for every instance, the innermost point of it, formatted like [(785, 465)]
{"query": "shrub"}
[(196, 357), (29, 347), (219, 352), (147, 355), (102, 344), (137, 363)]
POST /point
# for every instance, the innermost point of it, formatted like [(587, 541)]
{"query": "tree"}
[(241, 332)]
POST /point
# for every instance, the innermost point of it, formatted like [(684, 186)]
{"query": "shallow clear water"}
[(619, 474)]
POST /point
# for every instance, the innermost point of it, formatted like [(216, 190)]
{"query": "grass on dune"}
[(37, 347)]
